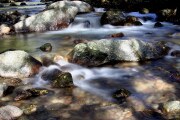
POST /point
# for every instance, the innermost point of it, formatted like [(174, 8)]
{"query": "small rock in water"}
[(51, 74), (121, 94), (63, 80), (80, 41), (172, 109), (47, 47), (12, 4), (23, 4), (117, 35), (29, 109), (26, 94), (175, 53), (10, 112), (158, 24), (144, 11)]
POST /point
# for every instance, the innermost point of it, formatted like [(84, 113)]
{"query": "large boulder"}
[(82, 7), (104, 51), (18, 64), (47, 20)]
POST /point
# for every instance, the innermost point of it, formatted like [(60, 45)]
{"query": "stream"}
[(150, 82)]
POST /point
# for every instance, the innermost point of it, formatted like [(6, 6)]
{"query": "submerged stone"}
[(121, 94)]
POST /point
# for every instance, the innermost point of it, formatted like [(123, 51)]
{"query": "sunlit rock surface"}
[(10, 112), (18, 64), (104, 51), (47, 20), (82, 7)]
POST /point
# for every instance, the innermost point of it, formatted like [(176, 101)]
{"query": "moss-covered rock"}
[(47, 47), (104, 51), (63, 80)]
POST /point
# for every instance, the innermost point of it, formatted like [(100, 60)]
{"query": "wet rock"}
[(144, 11), (48, 60), (29, 109), (118, 18), (63, 80), (77, 41), (113, 17), (47, 47), (172, 109), (117, 35), (121, 94), (1, 5), (30, 93), (158, 24), (10, 18), (82, 7), (23, 17), (53, 19), (12, 4), (11, 81), (169, 15), (23, 4), (17, 64), (5, 89), (51, 73), (106, 50), (175, 53), (10, 112), (4, 29), (137, 23)]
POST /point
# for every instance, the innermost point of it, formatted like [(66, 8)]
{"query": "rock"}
[(47, 20), (169, 15), (137, 23), (5, 89), (144, 11), (172, 108), (118, 18), (48, 60), (158, 24), (77, 41), (121, 94), (11, 81), (29, 109), (117, 35), (18, 64), (23, 4), (47, 47), (63, 80), (23, 17), (10, 18), (1, 5), (113, 17), (30, 93), (12, 4), (51, 73), (10, 112), (82, 7), (175, 53), (106, 50), (4, 29)]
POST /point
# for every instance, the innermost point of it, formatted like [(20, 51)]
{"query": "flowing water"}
[(150, 82)]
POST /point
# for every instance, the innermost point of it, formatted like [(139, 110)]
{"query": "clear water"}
[(150, 83)]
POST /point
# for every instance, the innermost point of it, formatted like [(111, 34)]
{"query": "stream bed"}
[(150, 83)]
